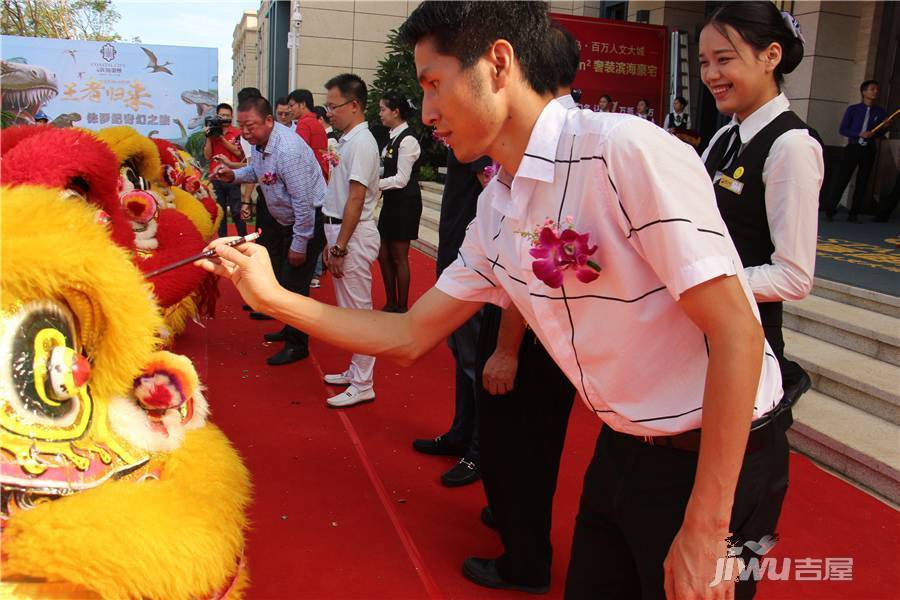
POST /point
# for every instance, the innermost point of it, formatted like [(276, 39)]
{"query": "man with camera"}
[(223, 147)]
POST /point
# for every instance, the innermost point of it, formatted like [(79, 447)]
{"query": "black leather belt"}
[(332, 220), (760, 433)]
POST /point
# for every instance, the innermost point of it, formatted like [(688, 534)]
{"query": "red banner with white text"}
[(626, 61)]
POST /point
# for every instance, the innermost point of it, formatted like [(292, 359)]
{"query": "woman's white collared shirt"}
[(408, 154), (645, 199), (793, 174)]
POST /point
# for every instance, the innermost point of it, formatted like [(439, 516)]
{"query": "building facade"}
[(846, 43), (245, 54)]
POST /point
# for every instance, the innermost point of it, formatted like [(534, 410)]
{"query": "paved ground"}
[(864, 254)]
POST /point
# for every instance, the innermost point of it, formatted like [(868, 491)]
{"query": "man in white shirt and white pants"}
[(352, 236)]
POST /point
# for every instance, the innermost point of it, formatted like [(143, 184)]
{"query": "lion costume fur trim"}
[(71, 159), (114, 300), (126, 143), (190, 523)]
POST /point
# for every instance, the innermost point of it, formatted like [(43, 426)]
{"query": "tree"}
[(65, 19), (396, 72)]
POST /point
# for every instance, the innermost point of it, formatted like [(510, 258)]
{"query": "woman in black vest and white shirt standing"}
[(401, 201), (766, 164)]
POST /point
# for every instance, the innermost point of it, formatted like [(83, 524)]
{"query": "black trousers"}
[(296, 279), (265, 223), (633, 505), (792, 374), (228, 196), (522, 435), (464, 344), (855, 156)]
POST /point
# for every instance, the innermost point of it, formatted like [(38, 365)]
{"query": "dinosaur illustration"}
[(204, 100), (25, 88), (154, 65), (66, 120)]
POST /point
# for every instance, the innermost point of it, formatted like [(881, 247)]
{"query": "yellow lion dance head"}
[(113, 483)]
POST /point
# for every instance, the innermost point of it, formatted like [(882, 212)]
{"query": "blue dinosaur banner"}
[(164, 91)]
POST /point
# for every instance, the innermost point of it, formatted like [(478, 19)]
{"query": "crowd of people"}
[(644, 277)]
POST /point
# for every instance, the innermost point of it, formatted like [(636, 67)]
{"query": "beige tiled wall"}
[(344, 36), (349, 36)]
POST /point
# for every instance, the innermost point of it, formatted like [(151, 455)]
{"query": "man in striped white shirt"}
[(289, 176), (663, 342)]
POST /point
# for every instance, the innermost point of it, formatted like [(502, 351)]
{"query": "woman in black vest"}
[(678, 118), (766, 165), (401, 206)]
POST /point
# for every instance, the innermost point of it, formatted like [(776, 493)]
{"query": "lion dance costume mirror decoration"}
[(114, 483)]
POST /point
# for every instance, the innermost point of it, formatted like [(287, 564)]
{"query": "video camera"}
[(215, 125)]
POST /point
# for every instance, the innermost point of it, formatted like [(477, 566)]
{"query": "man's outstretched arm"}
[(401, 337)]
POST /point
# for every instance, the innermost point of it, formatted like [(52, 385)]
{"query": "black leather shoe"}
[(275, 336), (852, 219), (258, 316), (246, 307), (287, 356), (829, 215), (793, 391), (464, 472), (439, 446), (487, 517), (483, 571)]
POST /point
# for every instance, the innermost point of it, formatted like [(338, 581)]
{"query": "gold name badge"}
[(728, 183)]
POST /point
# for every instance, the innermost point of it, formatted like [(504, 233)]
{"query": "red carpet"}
[(344, 508)]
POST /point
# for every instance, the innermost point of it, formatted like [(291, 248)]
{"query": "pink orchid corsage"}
[(267, 178), (557, 248), (333, 158), (491, 170)]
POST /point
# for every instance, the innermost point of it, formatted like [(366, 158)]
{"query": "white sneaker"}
[(315, 283), (350, 397), (338, 378)]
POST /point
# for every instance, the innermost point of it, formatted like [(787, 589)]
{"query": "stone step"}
[(854, 296), (428, 240), (432, 186), (431, 199), (861, 330), (858, 380), (430, 217), (856, 444)]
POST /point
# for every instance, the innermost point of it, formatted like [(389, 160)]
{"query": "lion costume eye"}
[(45, 373)]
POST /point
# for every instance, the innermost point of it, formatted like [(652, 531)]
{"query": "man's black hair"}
[(258, 104), (465, 30), (867, 83), (224, 105), (281, 101), (304, 97), (683, 101), (248, 92), (320, 112), (564, 49), (351, 86)]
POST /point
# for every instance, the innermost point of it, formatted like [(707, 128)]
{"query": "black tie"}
[(733, 148), (719, 157)]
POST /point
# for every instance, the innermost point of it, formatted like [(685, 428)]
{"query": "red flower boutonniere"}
[(557, 248), (268, 178), (333, 158)]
